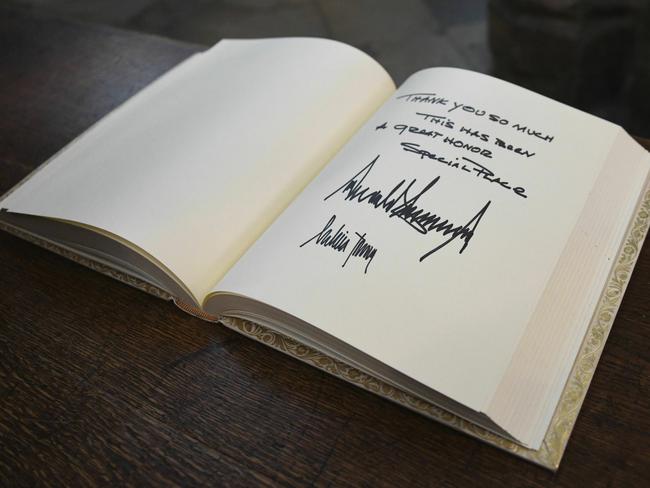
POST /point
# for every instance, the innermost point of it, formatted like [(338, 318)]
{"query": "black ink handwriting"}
[(401, 202)]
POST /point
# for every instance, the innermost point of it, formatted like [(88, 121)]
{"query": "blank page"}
[(195, 166)]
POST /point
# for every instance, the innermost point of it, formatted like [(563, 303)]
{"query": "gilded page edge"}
[(555, 441), (87, 262)]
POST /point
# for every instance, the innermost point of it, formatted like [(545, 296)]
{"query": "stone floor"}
[(404, 36)]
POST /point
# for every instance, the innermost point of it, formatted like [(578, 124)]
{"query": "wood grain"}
[(101, 384)]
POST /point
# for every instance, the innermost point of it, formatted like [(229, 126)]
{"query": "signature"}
[(401, 202), (339, 240)]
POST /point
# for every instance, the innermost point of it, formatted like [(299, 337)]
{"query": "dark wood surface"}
[(101, 384)]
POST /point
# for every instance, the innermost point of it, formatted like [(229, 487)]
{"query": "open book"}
[(452, 239)]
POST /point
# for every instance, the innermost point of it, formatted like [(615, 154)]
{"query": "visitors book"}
[(458, 244)]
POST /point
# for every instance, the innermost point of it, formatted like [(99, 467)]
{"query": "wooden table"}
[(101, 384)]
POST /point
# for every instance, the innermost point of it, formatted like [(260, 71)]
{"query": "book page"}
[(193, 168), (428, 240)]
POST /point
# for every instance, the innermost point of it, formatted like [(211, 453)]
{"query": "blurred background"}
[(591, 54)]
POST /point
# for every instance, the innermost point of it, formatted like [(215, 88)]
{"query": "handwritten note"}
[(453, 136), (435, 229)]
